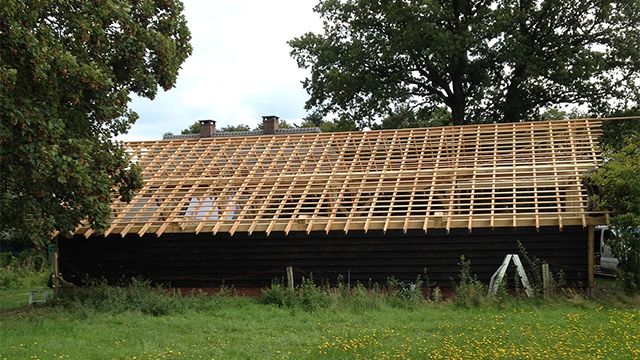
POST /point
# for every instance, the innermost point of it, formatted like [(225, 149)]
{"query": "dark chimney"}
[(207, 128), (269, 124)]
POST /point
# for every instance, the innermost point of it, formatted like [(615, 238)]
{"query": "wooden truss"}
[(477, 176)]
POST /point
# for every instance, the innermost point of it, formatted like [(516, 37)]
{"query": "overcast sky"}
[(240, 68)]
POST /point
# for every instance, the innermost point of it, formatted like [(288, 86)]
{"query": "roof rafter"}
[(494, 175)]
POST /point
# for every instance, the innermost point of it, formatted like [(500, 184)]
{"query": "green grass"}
[(136, 321), (229, 328), (16, 298)]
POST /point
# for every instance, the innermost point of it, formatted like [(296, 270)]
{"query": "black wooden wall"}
[(204, 260)]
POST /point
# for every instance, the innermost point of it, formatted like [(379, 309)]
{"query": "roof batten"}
[(489, 175)]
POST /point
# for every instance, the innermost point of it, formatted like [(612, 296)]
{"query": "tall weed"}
[(274, 295), (309, 297), (138, 295), (470, 292), (405, 294), (306, 296), (29, 269), (533, 269)]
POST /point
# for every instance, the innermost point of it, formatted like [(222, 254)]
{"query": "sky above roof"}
[(240, 68)]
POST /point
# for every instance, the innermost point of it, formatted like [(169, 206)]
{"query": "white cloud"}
[(240, 68)]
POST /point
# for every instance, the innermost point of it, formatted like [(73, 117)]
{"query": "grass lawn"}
[(243, 329), (16, 298)]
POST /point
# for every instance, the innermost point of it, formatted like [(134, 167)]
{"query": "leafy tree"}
[(405, 118), (193, 129), (338, 125), (618, 184), (282, 124), (66, 71), (486, 60), (316, 119), (557, 114), (615, 132), (232, 128)]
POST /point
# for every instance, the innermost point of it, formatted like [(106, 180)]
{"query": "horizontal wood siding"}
[(204, 260)]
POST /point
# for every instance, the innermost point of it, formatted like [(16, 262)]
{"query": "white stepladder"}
[(496, 279)]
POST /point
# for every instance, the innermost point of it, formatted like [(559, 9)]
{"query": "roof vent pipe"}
[(207, 128), (269, 124)]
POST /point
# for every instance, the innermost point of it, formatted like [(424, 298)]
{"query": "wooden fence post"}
[(546, 281), (290, 277), (55, 278)]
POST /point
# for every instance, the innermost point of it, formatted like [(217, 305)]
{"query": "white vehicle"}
[(605, 262)]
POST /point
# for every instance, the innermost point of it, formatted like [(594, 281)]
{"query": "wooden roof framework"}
[(496, 175)]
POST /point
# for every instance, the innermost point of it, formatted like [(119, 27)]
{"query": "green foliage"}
[(226, 290), (253, 331), (274, 295), (533, 269), (16, 298), (615, 132), (29, 270), (193, 129), (362, 299), (618, 182), (138, 295), (557, 114), (470, 292), (282, 124), (309, 297), (408, 294), (67, 69), (339, 124), (406, 118), (316, 119), (240, 127), (486, 61), (306, 296)]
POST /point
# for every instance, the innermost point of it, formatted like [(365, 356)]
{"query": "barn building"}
[(367, 205)]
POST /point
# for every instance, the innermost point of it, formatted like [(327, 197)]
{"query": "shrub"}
[(533, 269), (470, 292), (308, 296), (137, 295), (404, 293), (28, 270), (311, 297), (618, 182), (361, 299), (275, 294)]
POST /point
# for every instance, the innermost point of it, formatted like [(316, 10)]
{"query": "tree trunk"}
[(458, 104), (513, 107)]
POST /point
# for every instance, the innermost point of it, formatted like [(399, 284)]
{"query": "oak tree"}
[(484, 60)]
